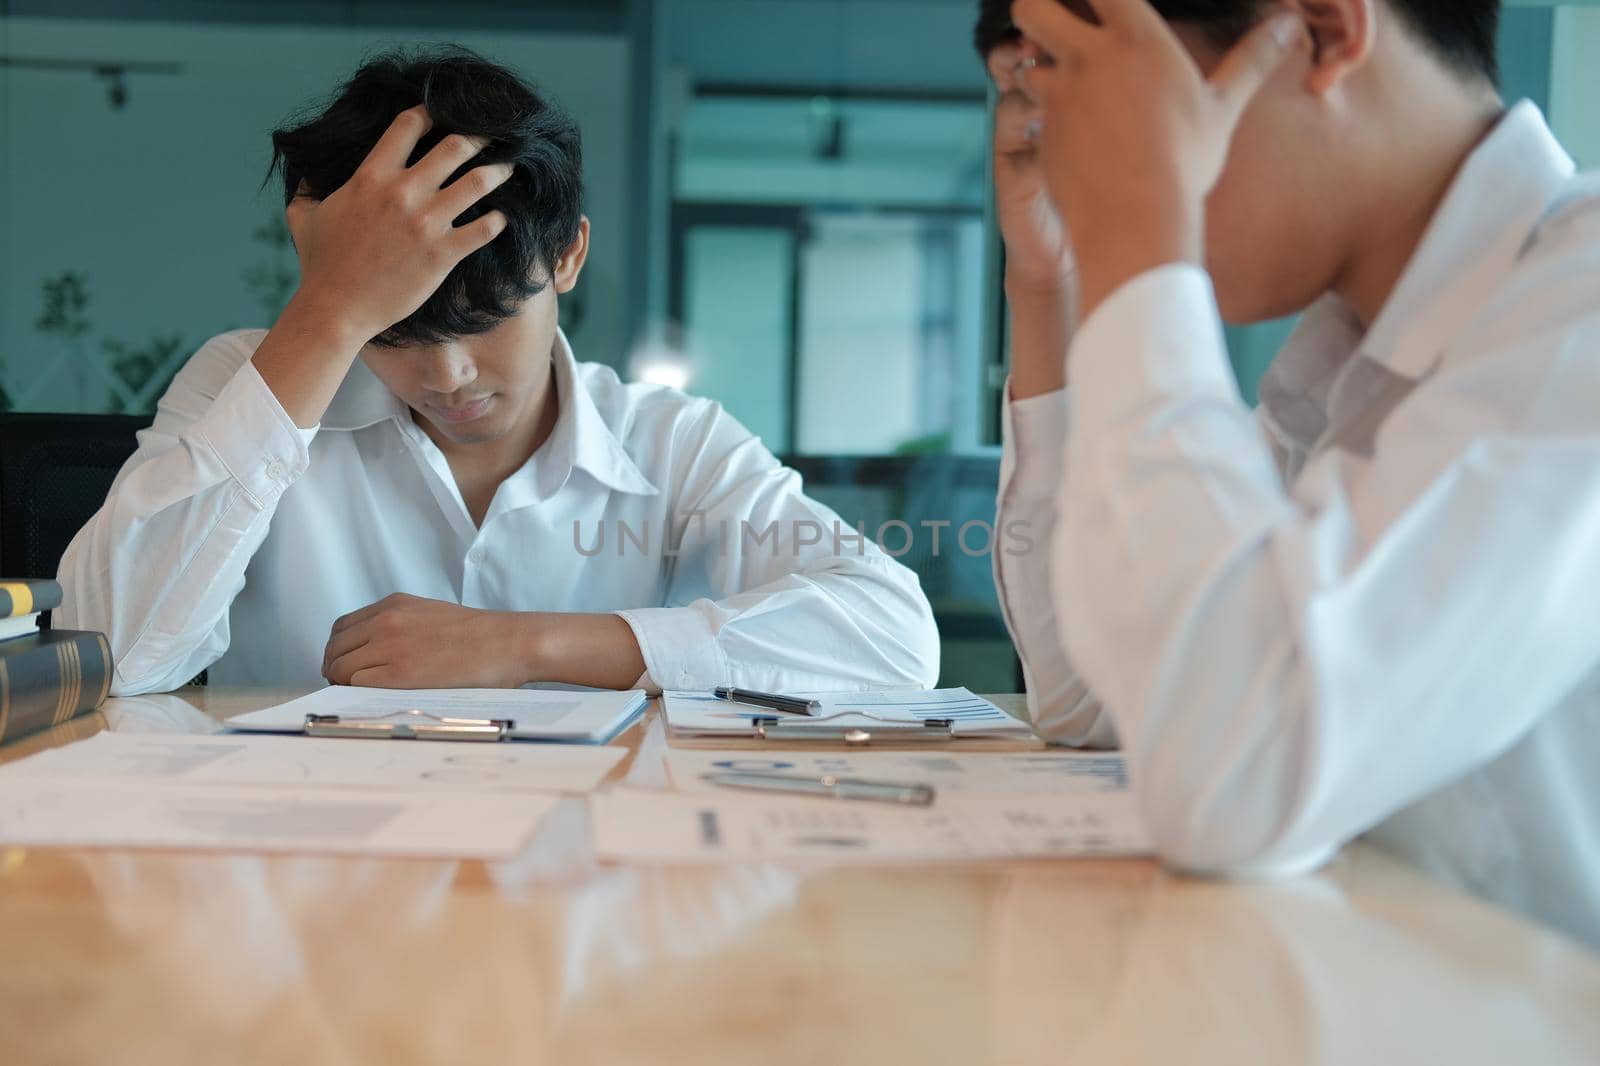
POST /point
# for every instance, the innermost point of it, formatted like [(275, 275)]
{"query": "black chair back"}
[(55, 471)]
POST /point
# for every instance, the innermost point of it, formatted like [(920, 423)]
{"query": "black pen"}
[(768, 700)]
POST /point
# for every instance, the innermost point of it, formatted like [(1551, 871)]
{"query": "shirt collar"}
[(580, 439), (1486, 221), (361, 401), (1487, 218)]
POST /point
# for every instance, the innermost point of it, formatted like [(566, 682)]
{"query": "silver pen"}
[(906, 794)]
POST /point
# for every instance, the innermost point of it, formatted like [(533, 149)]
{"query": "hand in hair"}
[(1038, 255), (382, 243), (1134, 137)]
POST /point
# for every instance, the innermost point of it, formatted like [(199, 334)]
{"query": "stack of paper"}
[(465, 825), (987, 804), (304, 794), (645, 826), (239, 759)]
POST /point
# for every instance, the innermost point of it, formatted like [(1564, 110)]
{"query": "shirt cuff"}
[(1156, 340), (254, 437), (679, 648), (1033, 438)]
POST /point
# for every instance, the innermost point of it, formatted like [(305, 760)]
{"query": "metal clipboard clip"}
[(412, 725), (800, 729)]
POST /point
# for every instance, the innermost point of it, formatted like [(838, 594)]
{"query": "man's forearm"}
[(1041, 329), (305, 357), (598, 650)]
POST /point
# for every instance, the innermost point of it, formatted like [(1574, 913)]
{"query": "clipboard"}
[(852, 736), (409, 725), (853, 719), (571, 716)]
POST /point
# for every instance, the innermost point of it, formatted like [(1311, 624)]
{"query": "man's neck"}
[(1434, 125), (480, 467)]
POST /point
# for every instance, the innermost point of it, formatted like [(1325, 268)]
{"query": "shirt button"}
[(277, 471), (475, 556)]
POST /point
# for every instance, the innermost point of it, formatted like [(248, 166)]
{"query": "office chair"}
[(55, 471)]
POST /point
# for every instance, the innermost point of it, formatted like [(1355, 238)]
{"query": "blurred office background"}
[(789, 203)]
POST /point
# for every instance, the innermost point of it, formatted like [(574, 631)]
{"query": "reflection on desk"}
[(153, 957)]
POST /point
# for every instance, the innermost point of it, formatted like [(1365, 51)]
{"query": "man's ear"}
[(571, 263), (1342, 37)]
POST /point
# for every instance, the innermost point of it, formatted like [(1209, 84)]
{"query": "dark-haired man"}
[(1368, 605), (413, 457)]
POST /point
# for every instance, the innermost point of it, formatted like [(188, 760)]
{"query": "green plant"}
[(140, 373), (66, 302)]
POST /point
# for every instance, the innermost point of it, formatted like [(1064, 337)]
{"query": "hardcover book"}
[(28, 596), (50, 677)]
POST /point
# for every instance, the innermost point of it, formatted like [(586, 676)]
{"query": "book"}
[(22, 625), (50, 677), (19, 596)]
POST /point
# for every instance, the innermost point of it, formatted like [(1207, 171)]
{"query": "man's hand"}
[(371, 254), (410, 642), (1038, 255), (1134, 137), (382, 243)]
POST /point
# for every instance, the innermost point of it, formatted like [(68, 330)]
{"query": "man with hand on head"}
[(409, 481), (1365, 607)]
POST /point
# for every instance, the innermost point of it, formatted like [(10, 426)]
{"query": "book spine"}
[(59, 678), (28, 597)]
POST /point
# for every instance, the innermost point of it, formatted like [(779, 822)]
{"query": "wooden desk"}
[(150, 957)]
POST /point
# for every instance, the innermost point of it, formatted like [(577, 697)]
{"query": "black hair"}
[(464, 93), (1460, 32)]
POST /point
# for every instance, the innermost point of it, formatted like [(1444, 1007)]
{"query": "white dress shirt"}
[(232, 540), (1372, 604)]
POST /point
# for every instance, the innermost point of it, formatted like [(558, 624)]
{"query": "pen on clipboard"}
[(770, 701), (907, 794)]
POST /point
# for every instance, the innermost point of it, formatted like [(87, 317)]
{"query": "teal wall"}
[(154, 203)]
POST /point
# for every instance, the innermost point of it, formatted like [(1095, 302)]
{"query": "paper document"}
[(253, 760), (951, 773), (702, 714), (590, 716), (466, 825), (651, 826)]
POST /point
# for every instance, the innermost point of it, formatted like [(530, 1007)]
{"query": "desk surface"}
[(151, 957)]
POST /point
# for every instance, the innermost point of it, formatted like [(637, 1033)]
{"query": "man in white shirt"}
[(409, 481), (1368, 606)]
